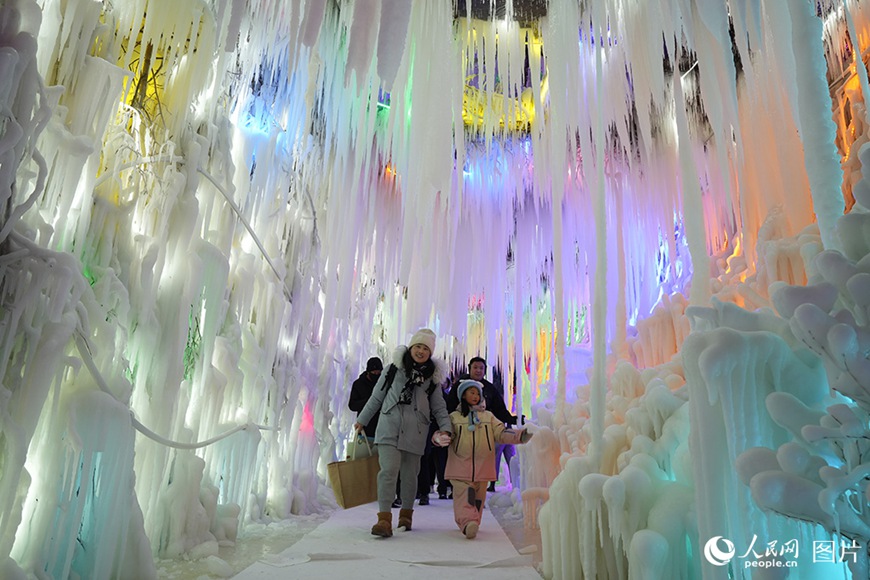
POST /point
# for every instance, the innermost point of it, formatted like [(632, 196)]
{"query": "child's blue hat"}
[(467, 384)]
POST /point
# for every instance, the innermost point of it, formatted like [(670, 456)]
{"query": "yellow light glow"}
[(513, 113)]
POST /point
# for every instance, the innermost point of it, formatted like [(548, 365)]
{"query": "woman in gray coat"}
[(405, 406)]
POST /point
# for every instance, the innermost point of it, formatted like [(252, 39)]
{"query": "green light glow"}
[(193, 346)]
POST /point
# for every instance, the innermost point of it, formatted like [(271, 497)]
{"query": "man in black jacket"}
[(494, 404), (362, 389)]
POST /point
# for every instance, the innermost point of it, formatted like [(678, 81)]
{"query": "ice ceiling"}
[(215, 209)]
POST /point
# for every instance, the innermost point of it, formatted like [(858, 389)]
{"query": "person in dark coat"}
[(362, 389), (427, 468), (439, 460), (494, 404)]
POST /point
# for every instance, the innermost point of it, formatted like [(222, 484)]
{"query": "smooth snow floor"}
[(343, 547)]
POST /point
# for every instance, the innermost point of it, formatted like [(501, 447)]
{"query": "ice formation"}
[(215, 210)]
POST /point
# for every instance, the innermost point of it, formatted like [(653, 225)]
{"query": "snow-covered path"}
[(342, 547)]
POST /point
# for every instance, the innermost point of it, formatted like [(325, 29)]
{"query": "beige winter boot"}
[(470, 530), (384, 527), (405, 517)]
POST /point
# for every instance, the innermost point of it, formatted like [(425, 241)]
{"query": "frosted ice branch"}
[(84, 351), (248, 227), (136, 163)]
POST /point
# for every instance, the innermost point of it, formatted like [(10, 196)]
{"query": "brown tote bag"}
[(355, 481)]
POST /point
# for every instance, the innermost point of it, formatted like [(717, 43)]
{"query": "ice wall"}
[(215, 210), (604, 518)]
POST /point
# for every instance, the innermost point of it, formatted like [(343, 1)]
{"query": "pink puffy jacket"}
[(471, 455)]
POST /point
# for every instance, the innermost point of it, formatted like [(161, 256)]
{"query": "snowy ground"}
[(342, 547), (255, 542)]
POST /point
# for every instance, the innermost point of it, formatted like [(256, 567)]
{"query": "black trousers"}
[(426, 476), (439, 457)]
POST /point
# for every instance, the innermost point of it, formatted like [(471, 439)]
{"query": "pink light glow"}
[(307, 425)]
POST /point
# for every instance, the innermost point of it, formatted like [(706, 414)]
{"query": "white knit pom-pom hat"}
[(423, 336)]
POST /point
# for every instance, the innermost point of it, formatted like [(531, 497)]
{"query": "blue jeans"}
[(508, 451)]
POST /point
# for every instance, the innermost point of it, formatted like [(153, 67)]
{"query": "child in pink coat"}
[(471, 456)]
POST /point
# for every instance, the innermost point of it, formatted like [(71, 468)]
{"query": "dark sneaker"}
[(397, 503), (424, 500), (491, 486), (442, 495)]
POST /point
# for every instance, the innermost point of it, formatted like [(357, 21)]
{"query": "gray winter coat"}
[(407, 426)]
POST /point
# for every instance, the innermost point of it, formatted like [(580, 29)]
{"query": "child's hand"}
[(525, 436), (441, 438)]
